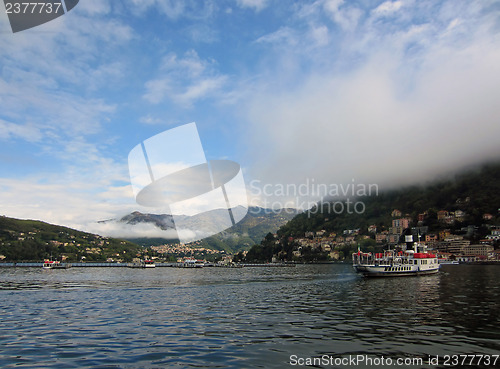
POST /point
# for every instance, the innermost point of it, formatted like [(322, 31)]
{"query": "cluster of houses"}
[(446, 244), (185, 249), (328, 242), (443, 242)]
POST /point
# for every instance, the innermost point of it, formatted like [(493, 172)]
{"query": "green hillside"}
[(474, 193), (250, 230), (31, 240)]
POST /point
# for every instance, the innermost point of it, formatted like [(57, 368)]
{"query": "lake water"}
[(244, 318)]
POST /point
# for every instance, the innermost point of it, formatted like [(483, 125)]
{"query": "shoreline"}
[(208, 265), (129, 265)]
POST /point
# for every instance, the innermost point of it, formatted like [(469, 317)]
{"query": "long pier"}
[(125, 265)]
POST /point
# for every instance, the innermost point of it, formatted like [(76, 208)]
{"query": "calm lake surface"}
[(242, 318)]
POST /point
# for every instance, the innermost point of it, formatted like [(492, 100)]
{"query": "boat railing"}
[(368, 258)]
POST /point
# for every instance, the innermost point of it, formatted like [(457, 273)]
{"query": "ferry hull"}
[(391, 271)]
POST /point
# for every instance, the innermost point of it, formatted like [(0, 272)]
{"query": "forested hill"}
[(32, 240), (475, 192)]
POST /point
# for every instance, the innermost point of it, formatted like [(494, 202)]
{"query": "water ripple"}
[(233, 318)]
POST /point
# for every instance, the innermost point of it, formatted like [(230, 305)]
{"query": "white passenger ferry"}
[(146, 263), (190, 263), (149, 263), (405, 262), (54, 264)]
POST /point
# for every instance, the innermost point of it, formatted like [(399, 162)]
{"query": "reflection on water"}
[(234, 318)]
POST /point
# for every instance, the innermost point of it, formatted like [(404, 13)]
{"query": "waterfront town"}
[(453, 235), (459, 244), (178, 251)]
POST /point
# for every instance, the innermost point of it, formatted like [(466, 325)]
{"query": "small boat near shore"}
[(149, 264), (393, 263), (191, 263), (146, 263), (54, 264)]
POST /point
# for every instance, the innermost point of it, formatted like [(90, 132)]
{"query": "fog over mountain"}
[(255, 224), (392, 107)]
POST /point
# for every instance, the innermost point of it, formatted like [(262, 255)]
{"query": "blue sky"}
[(386, 92)]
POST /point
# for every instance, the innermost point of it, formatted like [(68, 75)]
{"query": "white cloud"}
[(59, 201), (258, 5), (345, 16), (123, 230), (387, 8), (157, 89), (320, 35), (184, 80), (94, 7), (289, 43), (26, 132), (52, 111), (284, 35), (175, 9), (200, 89), (105, 74), (172, 9), (189, 64), (141, 6), (149, 119)]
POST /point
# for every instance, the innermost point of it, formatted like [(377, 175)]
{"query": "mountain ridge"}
[(250, 230)]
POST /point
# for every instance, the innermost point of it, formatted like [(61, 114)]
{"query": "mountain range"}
[(250, 230)]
